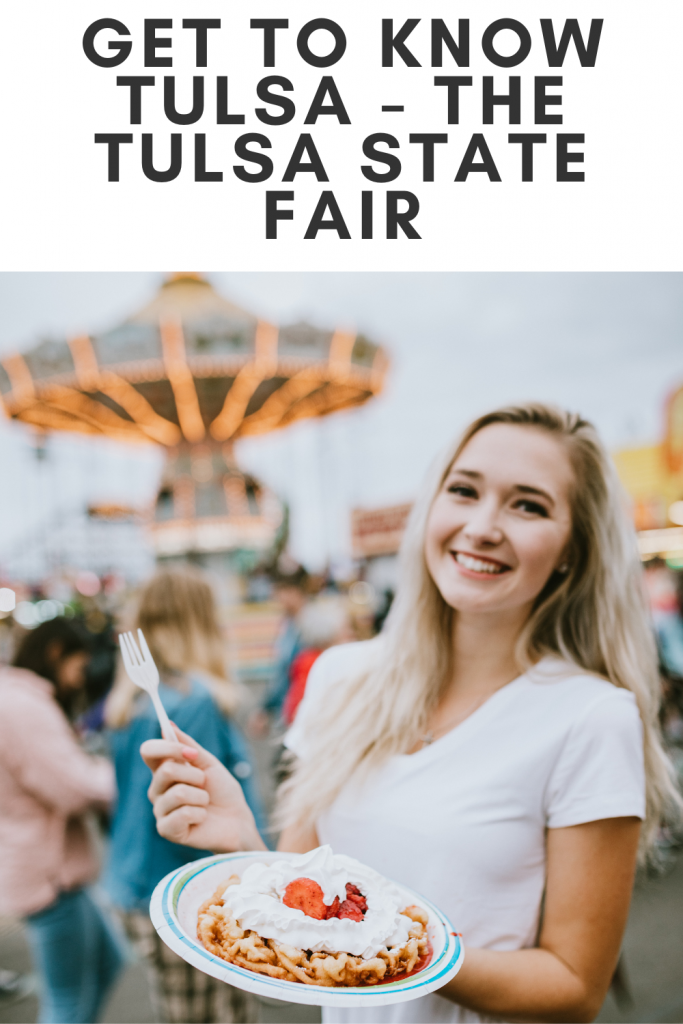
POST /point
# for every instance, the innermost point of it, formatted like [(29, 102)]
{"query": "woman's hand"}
[(196, 800)]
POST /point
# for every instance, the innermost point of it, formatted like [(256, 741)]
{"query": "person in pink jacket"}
[(47, 860)]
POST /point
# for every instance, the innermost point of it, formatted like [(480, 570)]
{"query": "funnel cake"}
[(317, 919)]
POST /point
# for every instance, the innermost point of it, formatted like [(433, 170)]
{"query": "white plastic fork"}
[(143, 672)]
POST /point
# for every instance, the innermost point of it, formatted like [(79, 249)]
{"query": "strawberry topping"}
[(306, 895), (354, 894), (333, 909), (351, 911)]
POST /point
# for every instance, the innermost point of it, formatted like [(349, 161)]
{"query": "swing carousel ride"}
[(193, 372)]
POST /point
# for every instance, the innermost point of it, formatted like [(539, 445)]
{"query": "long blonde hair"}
[(176, 611), (594, 617)]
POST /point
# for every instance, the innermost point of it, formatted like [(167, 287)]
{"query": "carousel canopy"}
[(190, 367)]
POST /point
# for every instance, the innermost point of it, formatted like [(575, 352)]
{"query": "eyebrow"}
[(523, 488)]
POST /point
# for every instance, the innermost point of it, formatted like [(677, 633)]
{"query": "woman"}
[(177, 614), (496, 747), (47, 783)]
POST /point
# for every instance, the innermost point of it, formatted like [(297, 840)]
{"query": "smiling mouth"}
[(481, 565)]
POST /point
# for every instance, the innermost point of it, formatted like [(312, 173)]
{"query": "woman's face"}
[(501, 522)]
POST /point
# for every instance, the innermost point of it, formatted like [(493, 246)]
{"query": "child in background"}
[(178, 616)]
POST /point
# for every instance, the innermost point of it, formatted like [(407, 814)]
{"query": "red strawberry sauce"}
[(423, 962)]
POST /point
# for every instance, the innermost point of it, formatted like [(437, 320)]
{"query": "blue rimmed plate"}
[(175, 904)]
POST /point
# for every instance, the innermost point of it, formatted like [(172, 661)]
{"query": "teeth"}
[(476, 566)]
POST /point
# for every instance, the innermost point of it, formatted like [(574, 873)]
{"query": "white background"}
[(58, 211)]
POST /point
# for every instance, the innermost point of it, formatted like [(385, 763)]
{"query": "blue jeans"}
[(78, 956)]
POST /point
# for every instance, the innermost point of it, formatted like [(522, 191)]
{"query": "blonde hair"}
[(593, 616), (176, 611)]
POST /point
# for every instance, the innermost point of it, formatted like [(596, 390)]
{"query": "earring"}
[(564, 568)]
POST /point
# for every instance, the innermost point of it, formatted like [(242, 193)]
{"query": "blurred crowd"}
[(665, 592), (79, 852)]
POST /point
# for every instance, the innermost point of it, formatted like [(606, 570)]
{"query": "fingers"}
[(184, 738), (191, 750), (178, 796), (155, 751), (176, 826), (170, 772)]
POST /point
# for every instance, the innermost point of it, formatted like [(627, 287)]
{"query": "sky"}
[(607, 345)]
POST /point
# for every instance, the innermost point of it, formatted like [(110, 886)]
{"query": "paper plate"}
[(176, 901)]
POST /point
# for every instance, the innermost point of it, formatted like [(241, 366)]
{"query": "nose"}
[(482, 527)]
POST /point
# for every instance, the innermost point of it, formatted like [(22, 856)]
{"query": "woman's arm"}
[(590, 871), (40, 750), (197, 802)]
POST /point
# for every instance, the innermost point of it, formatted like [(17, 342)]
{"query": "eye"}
[(532, 507), (462, 490)]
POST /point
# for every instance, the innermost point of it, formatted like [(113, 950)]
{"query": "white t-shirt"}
[(463, 820)]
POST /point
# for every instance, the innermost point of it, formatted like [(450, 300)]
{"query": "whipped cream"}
[(257, 905)]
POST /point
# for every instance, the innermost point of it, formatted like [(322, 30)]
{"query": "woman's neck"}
[(484, 651), (483, 662)]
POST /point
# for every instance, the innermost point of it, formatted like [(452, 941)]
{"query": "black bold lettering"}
[(173, 169), (321, 25), (564, 158), (121, 46), (274, 213), (587, 53), (252, 157), (335, 222), (527, 142), (327, 87), (427, 142), (391, 42), (314, 164), (269, 25), (197, 101), (366, 214), (512, 100), (113, 142), (542, 100), (453, 83), (524, 42), (460, 51), (264, 93), (200, 171), (135, 84), (222, 115), (372, 153), (154, 43), (201, 27), (402, 218), (485, 166)]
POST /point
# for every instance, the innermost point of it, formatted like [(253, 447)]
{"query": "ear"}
[(564, 562)]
